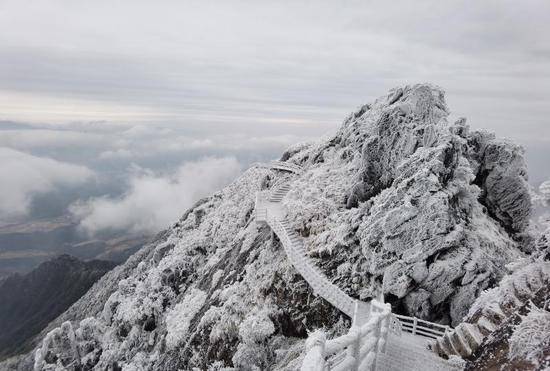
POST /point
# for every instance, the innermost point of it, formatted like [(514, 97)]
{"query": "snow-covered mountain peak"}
[(398, 202)]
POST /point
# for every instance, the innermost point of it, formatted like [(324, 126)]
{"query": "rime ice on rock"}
[(425, 199), (531, 337)]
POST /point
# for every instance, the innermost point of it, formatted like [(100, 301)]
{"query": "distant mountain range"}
[(25, 245), (29, 302)]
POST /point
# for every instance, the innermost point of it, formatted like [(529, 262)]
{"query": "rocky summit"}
[(399, 204)]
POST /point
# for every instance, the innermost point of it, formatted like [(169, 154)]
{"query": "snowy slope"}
[(398, 201)]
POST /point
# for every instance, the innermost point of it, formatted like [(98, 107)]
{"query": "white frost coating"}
[(256, 327), (525, 281), (178, 319), (253, 331), (216, 277), (531, 337), (528, 280), (412, 184), (63, 338)]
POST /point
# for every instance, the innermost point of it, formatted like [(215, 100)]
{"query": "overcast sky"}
[(149, 83)]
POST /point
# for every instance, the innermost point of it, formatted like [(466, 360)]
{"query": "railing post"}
[(355, 313), (315, 352), (414, 326), (384, 329), (382, 333), (375, 349), (353, 348)]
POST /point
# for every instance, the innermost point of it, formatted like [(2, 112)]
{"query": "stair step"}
[(486, 326), (494, 313), (460, 344), (443, 348), (294, 248), (470, 333), (445, 343)]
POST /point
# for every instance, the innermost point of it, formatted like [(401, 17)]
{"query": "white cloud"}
[(136, 142), (24, 175), (153, 202), (544, 190)]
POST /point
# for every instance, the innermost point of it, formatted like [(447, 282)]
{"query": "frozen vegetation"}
[(398, 202), (531, 339)]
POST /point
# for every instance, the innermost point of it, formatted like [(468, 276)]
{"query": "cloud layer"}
[(24, 176), (143, 174), (153, 202), (277, 65)]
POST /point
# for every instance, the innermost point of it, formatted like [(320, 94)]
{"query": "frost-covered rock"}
[(398, 202), (495, 309), (513, 319), (531, 338), (427, 223)]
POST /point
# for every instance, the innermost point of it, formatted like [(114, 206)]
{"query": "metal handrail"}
[(417, 326)]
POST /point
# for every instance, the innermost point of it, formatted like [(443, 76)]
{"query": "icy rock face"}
[(531, 338), (398, 202), (427, 220), (519, 310)]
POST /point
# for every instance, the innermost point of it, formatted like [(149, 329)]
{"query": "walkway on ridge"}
[(406, 349)]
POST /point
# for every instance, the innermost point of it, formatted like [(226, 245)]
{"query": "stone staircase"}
[(466, 338), (279, 192), (269, 210), (296, 253)]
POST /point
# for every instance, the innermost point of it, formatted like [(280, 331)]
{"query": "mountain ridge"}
[(31, 301)]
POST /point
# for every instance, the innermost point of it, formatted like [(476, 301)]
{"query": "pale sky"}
[(220, 73)]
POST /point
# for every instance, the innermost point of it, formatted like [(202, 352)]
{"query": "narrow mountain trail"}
[(367, 346)]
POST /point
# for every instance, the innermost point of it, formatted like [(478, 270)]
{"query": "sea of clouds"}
[(113, 177)]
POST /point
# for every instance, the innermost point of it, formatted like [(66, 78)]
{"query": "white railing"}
[(280, 165), (357, 350), (288, 166), (420, 327)]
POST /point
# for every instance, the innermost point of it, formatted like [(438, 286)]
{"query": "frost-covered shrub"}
[(219, 366), (531, 337), (252, 352), (58, 349), (256, 327), (179, 318), (224, 320), (249, 357)]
